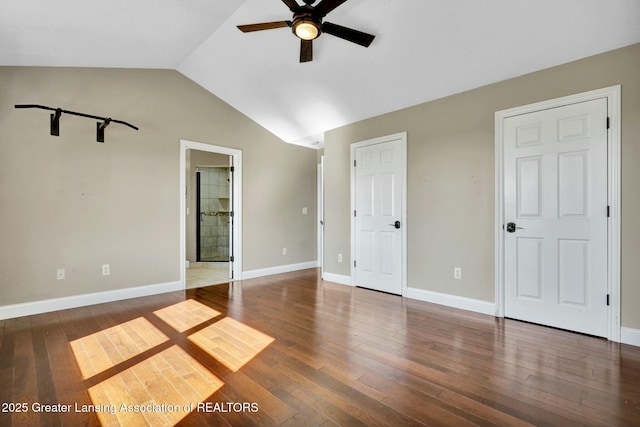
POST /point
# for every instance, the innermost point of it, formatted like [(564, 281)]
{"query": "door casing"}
[(612, 94), (402, 136), (320, 215)]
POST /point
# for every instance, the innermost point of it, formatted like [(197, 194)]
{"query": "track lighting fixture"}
[(55, 120)]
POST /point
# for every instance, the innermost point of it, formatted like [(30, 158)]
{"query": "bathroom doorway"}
[(210, 214)]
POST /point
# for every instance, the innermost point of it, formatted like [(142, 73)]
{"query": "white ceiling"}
[(424, 49)]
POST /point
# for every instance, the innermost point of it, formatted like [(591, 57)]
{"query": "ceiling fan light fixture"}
[(306, 29), (308, 24)]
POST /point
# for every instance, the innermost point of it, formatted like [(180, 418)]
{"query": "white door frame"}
[(402, 136), (612, 94), (320, 215), (237, 204)]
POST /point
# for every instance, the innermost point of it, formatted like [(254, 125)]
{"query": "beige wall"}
[(69, 202), (451, 176)]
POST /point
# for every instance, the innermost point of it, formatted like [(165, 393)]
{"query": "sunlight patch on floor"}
[(156, 392), (168, 383), (104, 349), (186, 314), (230, 342)]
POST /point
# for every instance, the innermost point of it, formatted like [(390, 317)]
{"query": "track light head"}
[(54, 123)]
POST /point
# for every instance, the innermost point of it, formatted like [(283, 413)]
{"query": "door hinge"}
[(608, 123), (608, 211), (231, 259), (232, 169), (354, 163), (231, 214), (354, 213), (354, 263), (608, 299)]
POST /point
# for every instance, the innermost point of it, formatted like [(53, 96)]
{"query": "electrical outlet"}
[(284, 251), (339, 257), (106, 270), (60, 274), (305, 211), (457, 273)]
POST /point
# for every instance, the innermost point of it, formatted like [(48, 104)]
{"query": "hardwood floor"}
[(292, 350)]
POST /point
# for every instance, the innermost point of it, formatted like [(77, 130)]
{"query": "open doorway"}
[(210, 214)]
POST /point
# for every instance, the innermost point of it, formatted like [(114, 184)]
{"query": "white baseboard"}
[(630, 336), (337, 278), (470, 304), (54, 304), (252, 274), (63, 303)]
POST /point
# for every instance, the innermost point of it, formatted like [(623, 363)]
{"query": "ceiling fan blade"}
[(292, 5), (306, 50), (263, 26), (355, 36), (326, 6)]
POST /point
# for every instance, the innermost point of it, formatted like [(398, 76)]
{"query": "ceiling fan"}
[(307, 25)]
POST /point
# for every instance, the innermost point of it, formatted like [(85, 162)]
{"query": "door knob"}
[(395, 224), (511, 227)]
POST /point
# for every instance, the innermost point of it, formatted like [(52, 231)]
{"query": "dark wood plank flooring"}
[(341, 356)]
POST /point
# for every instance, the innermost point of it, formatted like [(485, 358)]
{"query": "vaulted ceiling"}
[(423, 50)]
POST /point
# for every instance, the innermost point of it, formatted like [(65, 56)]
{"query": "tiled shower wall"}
[(214, 213)]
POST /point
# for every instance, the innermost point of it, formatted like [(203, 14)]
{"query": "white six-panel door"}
[(378, 218), (555, 196)]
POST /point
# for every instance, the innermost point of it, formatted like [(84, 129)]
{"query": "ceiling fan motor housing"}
[(307, 25)]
